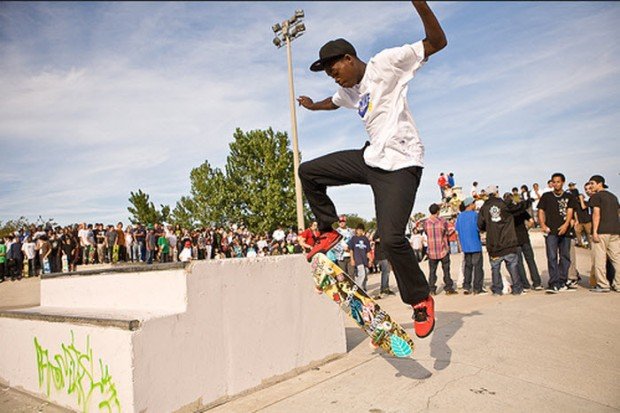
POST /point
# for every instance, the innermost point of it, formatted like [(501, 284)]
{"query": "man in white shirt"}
[(391, 162), (473, 192), (278, 234)]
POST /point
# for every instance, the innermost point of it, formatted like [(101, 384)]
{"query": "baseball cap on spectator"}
[(343, 218), (492, 189), (599, 180), (468, 201)]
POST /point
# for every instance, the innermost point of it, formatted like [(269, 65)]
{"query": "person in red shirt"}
[(308, 237), (442, 182)]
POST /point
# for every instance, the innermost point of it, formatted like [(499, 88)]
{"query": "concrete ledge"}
[(174, 339), (120, 268), (130, 325)]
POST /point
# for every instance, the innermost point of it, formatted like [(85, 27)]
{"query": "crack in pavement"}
[(428, 400)]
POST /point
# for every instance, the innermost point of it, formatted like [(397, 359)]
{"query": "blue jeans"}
[(558, 259), (135, 252), (384, 266), (150, 256), (511, 263), (360, 276)]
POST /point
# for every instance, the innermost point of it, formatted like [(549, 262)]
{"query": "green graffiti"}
[(74, 371)]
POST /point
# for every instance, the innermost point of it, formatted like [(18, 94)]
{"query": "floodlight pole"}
[(298, 199), (288, 37)]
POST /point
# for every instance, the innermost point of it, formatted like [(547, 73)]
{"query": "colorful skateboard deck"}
[(367, 314), (46, 266), (65, 263), (115, 250)]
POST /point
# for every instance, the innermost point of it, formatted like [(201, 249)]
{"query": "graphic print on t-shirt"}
[(496, 213), (363, 104), (562, 206)]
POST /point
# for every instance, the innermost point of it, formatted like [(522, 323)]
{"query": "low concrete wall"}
[(175, 340), (158, 291)]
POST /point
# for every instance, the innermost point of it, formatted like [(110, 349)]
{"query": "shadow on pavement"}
[(448, 324)]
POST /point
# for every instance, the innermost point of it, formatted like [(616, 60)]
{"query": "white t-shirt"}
[(278, 235), (417, 241), (83, 236), (473, 192), (29, 248), (381, 100)]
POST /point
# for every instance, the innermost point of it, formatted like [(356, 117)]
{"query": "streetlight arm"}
[(325, 104)]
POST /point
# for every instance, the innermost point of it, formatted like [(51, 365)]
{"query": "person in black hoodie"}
[(521, 219), (502, 244)]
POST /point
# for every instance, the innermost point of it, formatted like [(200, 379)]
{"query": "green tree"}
[(183, 214), (13, 225), (143, 210), (210, 196), (259, 173), (256, 187)]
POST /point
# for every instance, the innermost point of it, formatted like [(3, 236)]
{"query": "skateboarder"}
[(391, 162)]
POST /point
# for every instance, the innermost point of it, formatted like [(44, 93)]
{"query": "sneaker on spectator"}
[(481, 292), (552, 290), (388, 292), (424, 317), (467, 292), (538, 288), (326, 241), (572, 284), (451, 292), (565, 288), (599, 289)]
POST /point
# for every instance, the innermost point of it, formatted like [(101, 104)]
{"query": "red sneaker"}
[(424, 317), (326, 241)]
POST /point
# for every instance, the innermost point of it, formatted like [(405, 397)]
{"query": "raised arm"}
[(325, 104), (435, 37)]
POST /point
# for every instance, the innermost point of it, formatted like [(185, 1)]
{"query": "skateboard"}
[(65, 263), (384, 332), (115, 250), (46, 266)]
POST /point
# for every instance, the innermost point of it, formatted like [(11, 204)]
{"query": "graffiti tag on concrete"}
[(78, 373)]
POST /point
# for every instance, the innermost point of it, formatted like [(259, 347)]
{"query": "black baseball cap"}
[(330, 51), (599, 180)]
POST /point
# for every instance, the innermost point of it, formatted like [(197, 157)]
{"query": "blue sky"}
[(99, 99)]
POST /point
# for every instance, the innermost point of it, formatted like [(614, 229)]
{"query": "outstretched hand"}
[(305, 101)]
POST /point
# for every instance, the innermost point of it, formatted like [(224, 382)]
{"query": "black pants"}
[(445, 266), (525, 250), (394, 193)]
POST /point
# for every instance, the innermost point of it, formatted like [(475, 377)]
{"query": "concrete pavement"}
[(537, 352)]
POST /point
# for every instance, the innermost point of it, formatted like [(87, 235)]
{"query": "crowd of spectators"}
[(36, 250), (39, 249), (567, 217)]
